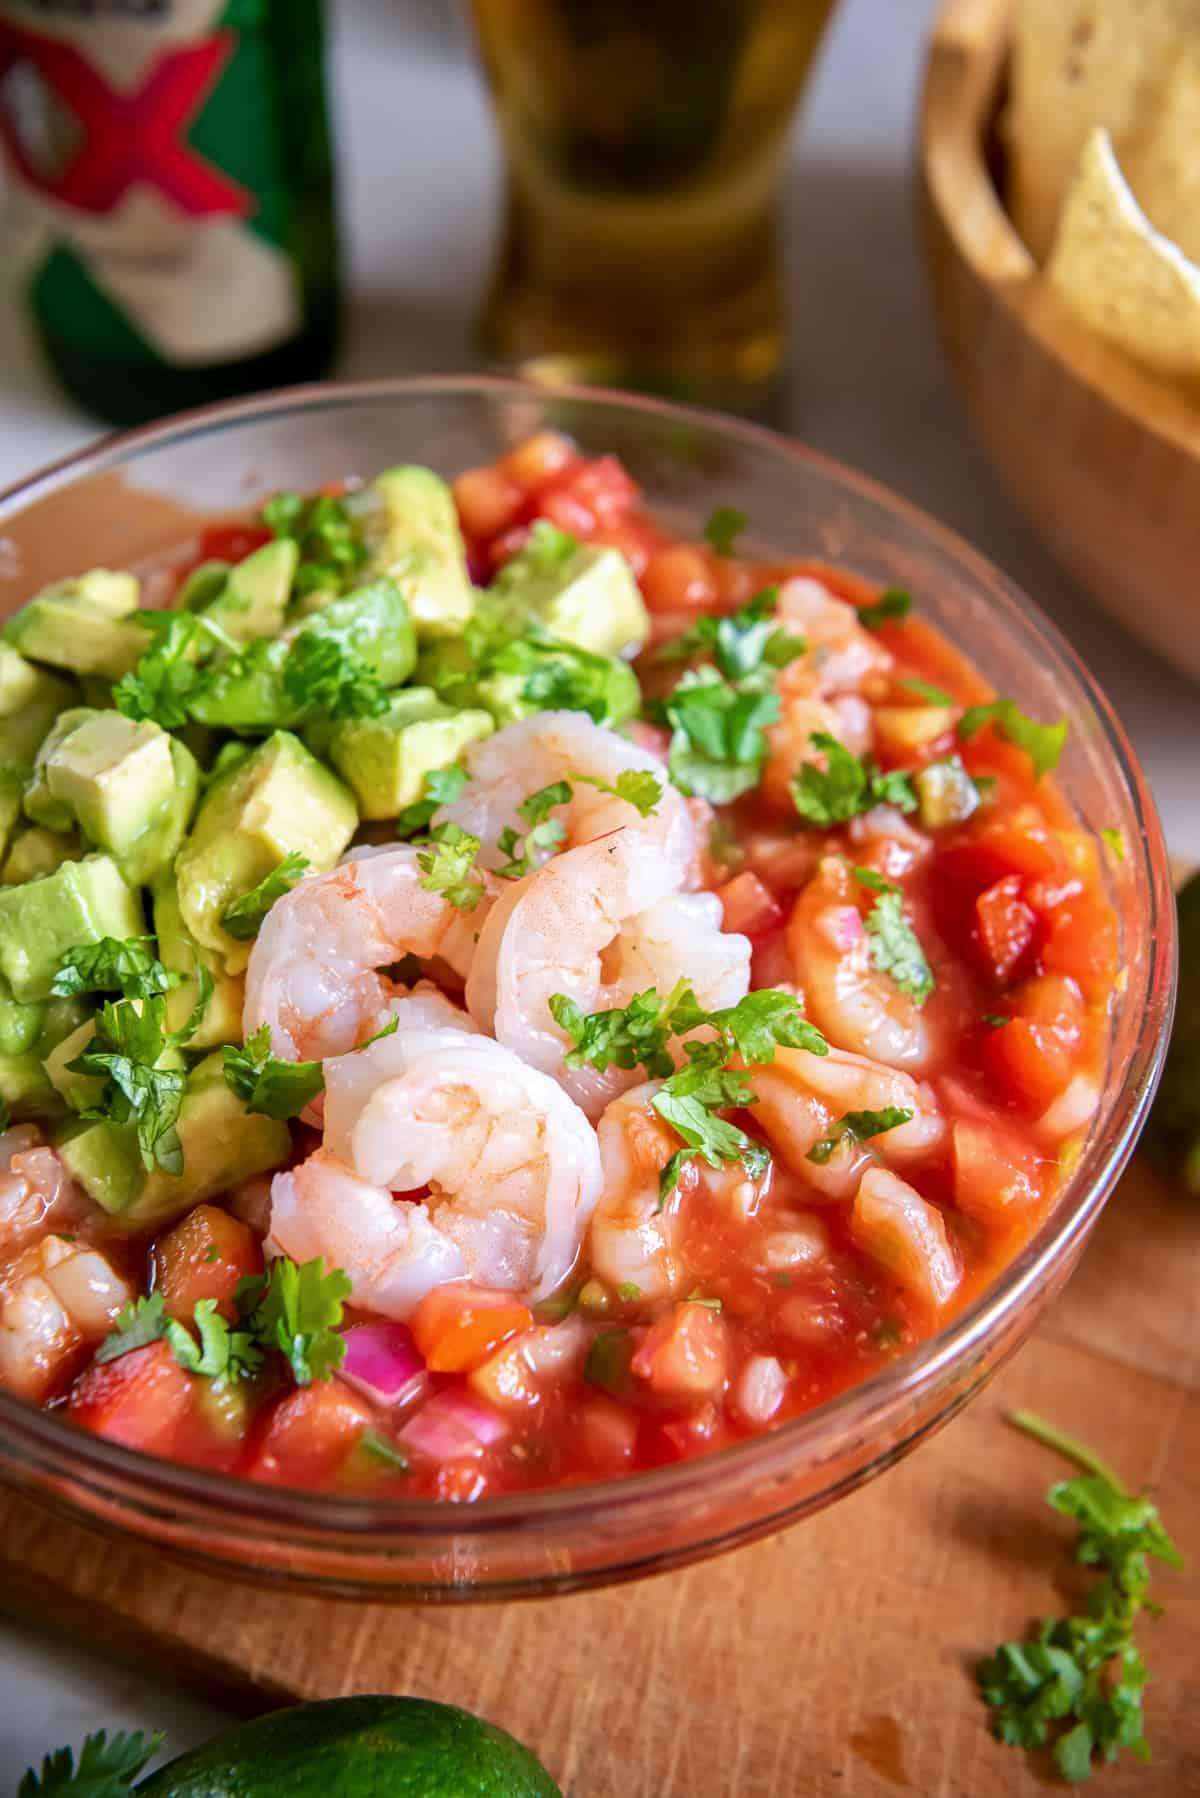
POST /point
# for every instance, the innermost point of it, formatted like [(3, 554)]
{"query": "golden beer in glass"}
[(645, 141)]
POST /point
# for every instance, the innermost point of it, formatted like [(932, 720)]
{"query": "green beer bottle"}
[(171, 195)]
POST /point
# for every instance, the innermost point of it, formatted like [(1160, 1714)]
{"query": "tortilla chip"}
[(1077, 64), (1121, 277), (1162, 160)]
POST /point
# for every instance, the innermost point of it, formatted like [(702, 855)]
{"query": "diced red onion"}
[(382, 1363), (452, 1425)]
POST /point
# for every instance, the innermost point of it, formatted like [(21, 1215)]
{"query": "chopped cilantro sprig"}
[(448, 867), (892, 607), (1042, 743), (124, 1052), (243, 917), (1078, 1683), (106, 1768), (543, 834), (846, 786), (275, 1088), (113, 965), (442, 787), (858, 1126), (894, 945)]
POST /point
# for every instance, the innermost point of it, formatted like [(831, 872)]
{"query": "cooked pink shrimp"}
[(802, 1096), (512, 1169), (634, 1236), (522, 759), (56, 1299), (841, 654), (314, 972), (905, 1235), (36, 1194), (844, 717), (598, 924), (857, 1006)]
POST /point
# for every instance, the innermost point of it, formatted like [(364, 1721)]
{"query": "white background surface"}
[(867, 384)]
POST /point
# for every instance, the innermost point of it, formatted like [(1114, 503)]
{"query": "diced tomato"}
[(231, 542), (994, 1170), (488, 501), (680, 579), (142, 1399), (588, 495), (636, 541), (1021, 842), (308, 1434), (683, 1356), (203, 1257), (457, 1327), (1007, 927), (1081, 940), (1036, 1052), (747, 905), (737, 582), (607, 1434), (539, 459)]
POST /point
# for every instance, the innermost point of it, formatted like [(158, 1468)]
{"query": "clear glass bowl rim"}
[(66, 1453)]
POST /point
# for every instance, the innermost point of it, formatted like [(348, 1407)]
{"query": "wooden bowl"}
[(1103, 457)]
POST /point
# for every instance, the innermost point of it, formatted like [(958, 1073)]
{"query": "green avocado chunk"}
[(274, 800), (30, 701), (254, 597), (587, 596), (222, 1144), (179, 951), (79, 1091), (201, 586), (410, 525), (129, 786), (13, 776), (82, 624), (81, 902), (26, 1089), (386, 759), (358, 1748), (36, 851)]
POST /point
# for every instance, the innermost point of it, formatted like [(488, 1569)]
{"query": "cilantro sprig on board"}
[(1077, 1683), (106, 1768)]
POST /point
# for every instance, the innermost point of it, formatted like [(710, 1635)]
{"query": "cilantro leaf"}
[(106, 1768), (544, 550), (637, 786), (742, 643), (129, 1040), (221, 1354), (1042, 743), (560, 676), (141, 1321), (448, 867), (331, 547), (242, 917), (266, 1084), (5, 1115), (718, 741), (297, 1309), (690, 1102), (925, 689), (763, 1019), (442, 787), (1084, 1671), (724, 527), (627, 1035), (858, 1126), (383, 1449), (323, 674), (847, 785), (113, 965), (163, 679), (896, 948), (544, 836), (892, 607)]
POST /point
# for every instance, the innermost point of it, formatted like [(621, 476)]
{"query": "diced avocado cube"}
[(128, 785), (277, 799), (410, 525), (614, 688), (36, 852), (201, 586), (179, 951), (222, 1144), (30, 701), (82, 624), (59, 1018), (946, 794), (81, 902), (372, 623), (12, 791), (386, 759), (26, 1088), (77, 1091), (588, 597), (253, 600), (248, 698), (20, 1023)]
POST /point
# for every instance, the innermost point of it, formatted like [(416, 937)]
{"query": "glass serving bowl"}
[(137, 494)]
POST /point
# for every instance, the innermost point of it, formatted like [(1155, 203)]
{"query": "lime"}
[(358, 1748)]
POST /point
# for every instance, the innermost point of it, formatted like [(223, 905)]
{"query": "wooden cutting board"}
[(834, 1659)]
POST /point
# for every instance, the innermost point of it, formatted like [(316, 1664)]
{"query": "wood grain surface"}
[(834, 1659)]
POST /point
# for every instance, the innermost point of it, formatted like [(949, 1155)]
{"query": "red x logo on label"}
[(139, 136)]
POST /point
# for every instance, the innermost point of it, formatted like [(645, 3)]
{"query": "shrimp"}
[(801, 1096), (57, 1299), (597, 925), (906, 1236), (857, 1006), (841, 654), (512, 1169), (790, 741), (35, 1192), (634, 1237), (523, 758), (314, 972)]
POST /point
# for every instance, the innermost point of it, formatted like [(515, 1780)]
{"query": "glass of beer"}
[(645, 141)]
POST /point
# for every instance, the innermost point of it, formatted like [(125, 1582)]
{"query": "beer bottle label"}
[(147, 168)]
